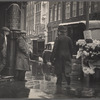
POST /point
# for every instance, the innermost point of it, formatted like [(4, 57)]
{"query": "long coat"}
[(3, 52), (62, 54), (22, 55)]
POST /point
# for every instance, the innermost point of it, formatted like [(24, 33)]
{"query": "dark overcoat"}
[(22, 55), (62, 54), (3, 51)]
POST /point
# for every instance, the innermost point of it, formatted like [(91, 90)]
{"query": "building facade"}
[(55, 17), (37, 19), (63, 12), (30, 18)]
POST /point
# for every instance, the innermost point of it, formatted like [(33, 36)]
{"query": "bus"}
[(75, 31)]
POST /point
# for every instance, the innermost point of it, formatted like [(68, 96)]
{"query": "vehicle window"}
[(48, 46), (52, 46)]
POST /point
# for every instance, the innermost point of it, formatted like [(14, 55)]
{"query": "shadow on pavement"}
[(15, 89)]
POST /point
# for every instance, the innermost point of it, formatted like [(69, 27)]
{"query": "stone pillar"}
[(13, 23)]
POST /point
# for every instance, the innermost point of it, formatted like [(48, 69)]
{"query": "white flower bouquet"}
[(88, 70), (81, 42), (89, 50)]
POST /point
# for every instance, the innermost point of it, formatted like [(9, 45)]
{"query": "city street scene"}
[(50, 49)]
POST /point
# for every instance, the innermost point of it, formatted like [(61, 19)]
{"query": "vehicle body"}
[(38, 48), (49, 46), (75, 30), (47, 52)]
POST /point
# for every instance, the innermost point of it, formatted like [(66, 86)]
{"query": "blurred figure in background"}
[(61, 57), (3, 48), (47, 66), (22, 57)]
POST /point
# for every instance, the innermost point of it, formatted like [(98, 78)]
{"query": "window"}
[(59, 11), (38, 7), (89, 7), (37, 29), (80, 8), (38, 12), (67, 10), (95, 6), (51, 15), (38, 16), (74, 9), (55, 13)]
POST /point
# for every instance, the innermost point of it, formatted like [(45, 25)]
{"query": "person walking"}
[(61, 57), (3, 48), (22, 57)]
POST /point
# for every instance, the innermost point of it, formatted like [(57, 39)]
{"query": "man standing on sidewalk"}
[(3, 48), (22, 57), (61, 57)]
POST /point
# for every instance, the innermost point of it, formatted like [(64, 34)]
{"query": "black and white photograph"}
[(49, 49)]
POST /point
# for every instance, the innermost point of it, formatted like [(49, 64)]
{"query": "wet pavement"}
[(43, 89), (35, 87), (40, 87)]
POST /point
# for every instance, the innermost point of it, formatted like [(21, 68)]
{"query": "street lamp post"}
[(87, 30), (88, 38), (87, 15)]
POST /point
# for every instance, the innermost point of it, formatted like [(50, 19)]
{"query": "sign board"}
[(87, 34), (96, 34)]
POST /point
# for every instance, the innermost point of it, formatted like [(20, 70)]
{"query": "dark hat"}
[(23, 32), (5, 29), (61, 29)]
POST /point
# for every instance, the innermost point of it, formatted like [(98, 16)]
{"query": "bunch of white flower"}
[(91, 45), (81, 42), (85, 53), (88, 70), (91, 50), (96, 42)]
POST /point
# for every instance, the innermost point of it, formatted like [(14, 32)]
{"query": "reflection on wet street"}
[(35, 87), (41, 88)]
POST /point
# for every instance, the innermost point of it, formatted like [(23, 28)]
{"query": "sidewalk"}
[(44, 89), (35, 89)]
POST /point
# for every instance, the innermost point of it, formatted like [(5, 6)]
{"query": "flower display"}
[(88, 70), (49, 63), (88, 52), (81, 42)]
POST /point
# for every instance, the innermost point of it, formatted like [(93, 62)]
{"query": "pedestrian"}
[(61, 57), (46, 59), (46, 64), (22, 57), (3, 48)]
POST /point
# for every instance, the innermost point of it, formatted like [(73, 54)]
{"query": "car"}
[(49, 46), (47, 52), (47, 66)]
